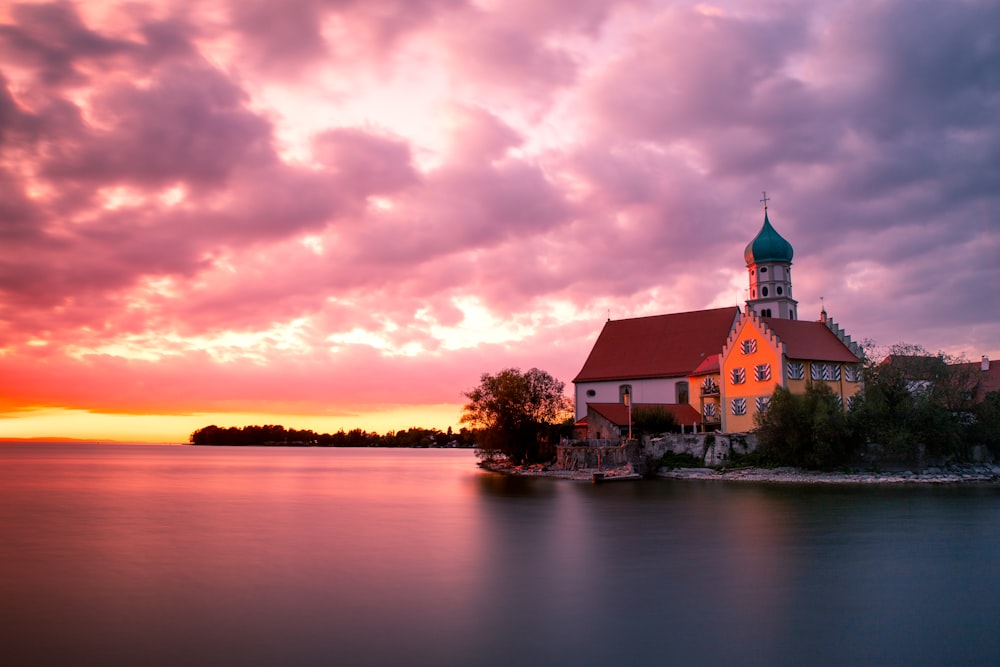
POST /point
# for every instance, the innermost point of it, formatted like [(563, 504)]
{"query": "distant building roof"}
[(768, 246), (917, 366), (988, 378), (812, 341), (617, 413), (658, 346)]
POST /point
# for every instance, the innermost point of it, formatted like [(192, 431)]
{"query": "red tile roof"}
[(989, 380), (709, 366), (617, 413), (810, 341), (658, 346)]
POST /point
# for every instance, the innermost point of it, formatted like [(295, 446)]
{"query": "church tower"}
[(769, 264)]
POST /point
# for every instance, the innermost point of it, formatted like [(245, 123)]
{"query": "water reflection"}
[(190, 556)]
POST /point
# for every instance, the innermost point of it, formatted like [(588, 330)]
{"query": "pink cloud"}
[(292, 39), (596, 157), (363, 163)]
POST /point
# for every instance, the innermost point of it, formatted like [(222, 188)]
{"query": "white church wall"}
[(649, 390)]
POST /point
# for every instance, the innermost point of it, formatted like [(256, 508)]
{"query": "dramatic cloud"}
[(351, 208)]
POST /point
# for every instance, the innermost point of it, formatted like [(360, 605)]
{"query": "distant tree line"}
[(278, 436), (914, 409)]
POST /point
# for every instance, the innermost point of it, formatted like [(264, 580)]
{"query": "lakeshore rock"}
[(979, 473), (958, 474)]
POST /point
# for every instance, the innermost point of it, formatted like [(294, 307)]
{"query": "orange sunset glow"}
[(339, 215)]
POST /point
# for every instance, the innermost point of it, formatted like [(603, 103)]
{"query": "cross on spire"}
[(764, 198)]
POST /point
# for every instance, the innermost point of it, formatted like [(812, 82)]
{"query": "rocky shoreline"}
[(958, 474), (981, 473)]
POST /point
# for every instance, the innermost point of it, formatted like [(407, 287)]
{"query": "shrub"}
[(807, 430), (653, 420)]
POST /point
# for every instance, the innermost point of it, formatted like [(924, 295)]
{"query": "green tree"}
[(516, 413), (914, 404), (985, 427), (653, 420), (808, 430)]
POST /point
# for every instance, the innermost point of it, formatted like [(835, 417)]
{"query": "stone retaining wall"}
[(596, 457), (713, 449)]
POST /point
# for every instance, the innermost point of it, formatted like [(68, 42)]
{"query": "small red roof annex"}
[(617, 413), (709, 366)]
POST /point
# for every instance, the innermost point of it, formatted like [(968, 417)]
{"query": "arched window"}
[(624, 390)]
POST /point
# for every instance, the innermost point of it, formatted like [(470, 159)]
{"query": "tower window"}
[(763, 291), (763, 269), (780, 291)]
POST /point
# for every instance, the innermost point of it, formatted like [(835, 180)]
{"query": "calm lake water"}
[(176, 555)]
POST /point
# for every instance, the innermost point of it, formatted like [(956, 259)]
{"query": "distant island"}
[(279, 436)]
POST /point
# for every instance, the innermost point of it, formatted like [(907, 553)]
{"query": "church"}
[(713, 370)]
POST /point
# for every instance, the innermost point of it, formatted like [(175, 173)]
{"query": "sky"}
[(341, 213)]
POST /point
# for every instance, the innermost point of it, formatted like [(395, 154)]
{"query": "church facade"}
[(715, 369)]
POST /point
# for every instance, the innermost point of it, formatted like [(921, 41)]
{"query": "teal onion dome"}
[(768, 246)]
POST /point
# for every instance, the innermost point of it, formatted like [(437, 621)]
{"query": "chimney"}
[(985, 365)]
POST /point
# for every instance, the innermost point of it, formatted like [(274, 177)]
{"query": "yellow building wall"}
[(751, 388), (698, 400), (843, 387)]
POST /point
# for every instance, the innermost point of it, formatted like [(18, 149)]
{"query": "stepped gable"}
[(762, 326), (810, 341), (657, 346), (839, 332)]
